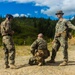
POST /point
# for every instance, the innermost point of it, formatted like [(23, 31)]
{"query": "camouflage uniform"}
[(8, 43), (39, 50), (61, 38)]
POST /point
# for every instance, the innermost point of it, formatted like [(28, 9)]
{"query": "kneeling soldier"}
[(39, 50)]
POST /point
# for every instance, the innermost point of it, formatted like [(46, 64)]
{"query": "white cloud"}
[(68, 6), (19, 1), (21, 15), (16, 15)]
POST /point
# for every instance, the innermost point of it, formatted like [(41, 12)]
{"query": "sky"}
[(37, 8)]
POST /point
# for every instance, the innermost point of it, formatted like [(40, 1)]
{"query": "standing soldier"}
[(8, 43), (61, 38), (39, 50)]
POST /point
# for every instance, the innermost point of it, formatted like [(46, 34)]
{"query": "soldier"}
[(61, 38), (39, 50), (9, 48)]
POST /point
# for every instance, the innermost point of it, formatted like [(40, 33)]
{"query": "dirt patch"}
[(48, 69)]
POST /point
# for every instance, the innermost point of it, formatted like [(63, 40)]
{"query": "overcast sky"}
[(37, 8)]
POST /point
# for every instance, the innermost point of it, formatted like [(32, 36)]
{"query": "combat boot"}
[(44, 63), (6, 66), (40, 64), (51, 61), (13, 66), (64, 63)]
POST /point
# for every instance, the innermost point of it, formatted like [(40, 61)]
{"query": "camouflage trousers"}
[(9, 49), (39, 57), (63, 43)]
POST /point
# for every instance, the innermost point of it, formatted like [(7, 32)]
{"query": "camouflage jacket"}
[(62, 26), (39, 44), (5, 28)]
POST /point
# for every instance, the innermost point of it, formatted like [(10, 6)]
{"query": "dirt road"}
[(48, 69)]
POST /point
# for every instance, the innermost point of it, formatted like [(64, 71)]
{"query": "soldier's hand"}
[(53, 41), (69, 35), (58, 34)]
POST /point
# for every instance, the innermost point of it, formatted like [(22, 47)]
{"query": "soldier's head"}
[(59, 13), (9, 17), (40, 35)]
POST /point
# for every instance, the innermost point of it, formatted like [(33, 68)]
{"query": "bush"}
[(19, 41), (29, 40)]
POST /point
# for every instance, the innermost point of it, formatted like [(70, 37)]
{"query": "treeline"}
[(27, 28)]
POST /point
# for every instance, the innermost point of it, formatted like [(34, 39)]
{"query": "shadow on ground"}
[(47, 64)]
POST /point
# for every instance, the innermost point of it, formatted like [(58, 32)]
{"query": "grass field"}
[(20, 50), (25, 50)]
